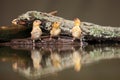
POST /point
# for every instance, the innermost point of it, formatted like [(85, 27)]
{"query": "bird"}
[(55, 31), (36, 31), (76, 30)]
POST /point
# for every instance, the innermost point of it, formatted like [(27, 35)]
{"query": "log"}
[(91, 32), (7, 33)]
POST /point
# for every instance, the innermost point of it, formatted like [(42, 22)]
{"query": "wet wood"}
[(64, 40)]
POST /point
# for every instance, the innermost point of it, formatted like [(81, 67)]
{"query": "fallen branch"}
[(91, 32)]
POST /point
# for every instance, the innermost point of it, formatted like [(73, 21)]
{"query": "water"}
[(60, 62)]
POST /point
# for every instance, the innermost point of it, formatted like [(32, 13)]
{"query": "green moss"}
[(98, 31)]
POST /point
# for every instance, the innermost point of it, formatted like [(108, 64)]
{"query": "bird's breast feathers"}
[(76, 32), (55, 32), (36, 30), (76, 29)]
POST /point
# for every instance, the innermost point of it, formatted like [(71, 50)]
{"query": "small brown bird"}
[(76, 30), (55, 30), (36, 31)]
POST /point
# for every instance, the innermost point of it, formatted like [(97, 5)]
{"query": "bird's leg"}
[(33, 47), (81, 42), (40, 39), (50, 38), (73, 49), (33, 42), (73, 39), (59, 38)]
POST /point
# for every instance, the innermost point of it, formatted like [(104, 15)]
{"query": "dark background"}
[(103, 12)]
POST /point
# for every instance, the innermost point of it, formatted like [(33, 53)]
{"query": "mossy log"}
[(91, 32)]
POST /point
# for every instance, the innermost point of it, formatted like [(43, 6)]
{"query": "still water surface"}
[(60, 62)]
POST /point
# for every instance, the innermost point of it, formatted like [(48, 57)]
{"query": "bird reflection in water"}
[(48, 60), (36, 57), (76, 60), (55, 58), (41, 62), (15, 66), (20, 64)]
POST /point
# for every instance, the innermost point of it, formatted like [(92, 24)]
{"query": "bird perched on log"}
[(55, 30), (76, 30), (36, 31)]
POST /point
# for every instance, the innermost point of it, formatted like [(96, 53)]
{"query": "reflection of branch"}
[(99, 52), (54, 62), (63, 59)]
